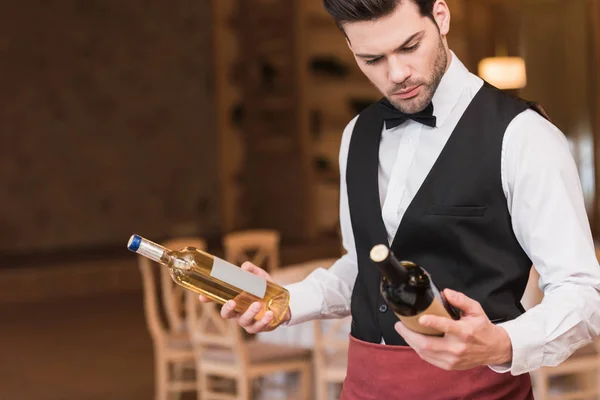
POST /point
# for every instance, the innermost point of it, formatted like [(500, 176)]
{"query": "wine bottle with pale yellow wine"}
[(212, 277), (409, 291)]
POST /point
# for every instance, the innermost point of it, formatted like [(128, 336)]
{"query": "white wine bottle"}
[(409, 291), (216, 279)]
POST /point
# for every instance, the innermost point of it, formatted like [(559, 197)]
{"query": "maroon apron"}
[(377, 372)]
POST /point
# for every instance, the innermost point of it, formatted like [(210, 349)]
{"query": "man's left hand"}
[(469, 342)]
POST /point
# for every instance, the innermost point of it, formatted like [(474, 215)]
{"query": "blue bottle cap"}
[(134, 243)]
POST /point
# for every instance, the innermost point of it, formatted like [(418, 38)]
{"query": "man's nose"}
[(399, 71)]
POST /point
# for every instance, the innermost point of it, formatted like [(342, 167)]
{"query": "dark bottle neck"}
[(393, 271)]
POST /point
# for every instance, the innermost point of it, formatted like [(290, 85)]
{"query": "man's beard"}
[(428, 88)]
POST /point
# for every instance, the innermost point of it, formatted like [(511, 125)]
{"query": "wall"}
[(557, 47), (106, 122)]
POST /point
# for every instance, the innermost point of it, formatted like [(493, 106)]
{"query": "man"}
[(473, 185)]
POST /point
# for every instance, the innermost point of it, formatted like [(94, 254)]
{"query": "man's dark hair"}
[(369, 10)]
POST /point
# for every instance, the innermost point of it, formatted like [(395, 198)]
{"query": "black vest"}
[(457, 227)]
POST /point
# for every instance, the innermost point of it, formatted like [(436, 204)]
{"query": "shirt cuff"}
[(528, 340), (304, 305)]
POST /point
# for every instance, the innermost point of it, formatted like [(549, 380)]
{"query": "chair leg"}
[(598, 381), (244, 388), (161, 376), (338, 387), (178, 372), (202, 384), (321, 388), (540, 383), (304, 383)]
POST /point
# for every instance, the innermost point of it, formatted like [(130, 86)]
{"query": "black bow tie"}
[(394, 117)]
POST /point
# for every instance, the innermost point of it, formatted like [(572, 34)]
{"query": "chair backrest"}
[(331, 340), (164, 296), (151, 300), (331, 335), (297, 272), (174, 294), (210, 332), (259, 246)]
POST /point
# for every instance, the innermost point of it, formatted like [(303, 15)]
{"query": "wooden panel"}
[(106, 123), (594, 31), (556, 47), (277, 179), (227, 87)]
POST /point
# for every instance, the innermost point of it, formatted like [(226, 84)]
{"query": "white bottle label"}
[(235, 276)]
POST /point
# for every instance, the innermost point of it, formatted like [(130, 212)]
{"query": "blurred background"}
[(200, 119)]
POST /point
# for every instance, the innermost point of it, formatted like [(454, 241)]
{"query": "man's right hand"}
[(246, 320)]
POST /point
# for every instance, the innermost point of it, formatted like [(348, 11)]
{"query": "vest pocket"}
[(478, 211)]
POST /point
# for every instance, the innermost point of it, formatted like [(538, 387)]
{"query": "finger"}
[(248, 266), (262, 324), (442, 324), (459, 300), (247, 318), (228, 310), (414, 339), (204, 299), (422, 344)]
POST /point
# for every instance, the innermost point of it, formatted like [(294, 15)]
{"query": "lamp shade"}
[(504, 72)]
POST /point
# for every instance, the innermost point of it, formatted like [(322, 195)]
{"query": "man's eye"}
[(411, 48), (373, 61)]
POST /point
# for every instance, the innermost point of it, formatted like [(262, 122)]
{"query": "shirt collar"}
[(449, 90)]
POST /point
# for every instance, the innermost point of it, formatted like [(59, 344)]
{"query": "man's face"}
[(403, 54)]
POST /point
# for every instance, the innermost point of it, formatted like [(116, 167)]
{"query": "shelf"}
[(330, 126), (277, 121), (329, 66), (337, 98), (274, 104), (275, 145), (332, 177), (347, 84)]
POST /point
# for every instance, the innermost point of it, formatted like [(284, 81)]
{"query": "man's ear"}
[(441, 15)]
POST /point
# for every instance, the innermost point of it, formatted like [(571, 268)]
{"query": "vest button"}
[(383, 308)]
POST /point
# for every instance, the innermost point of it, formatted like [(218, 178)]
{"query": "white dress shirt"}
[(544, 197)]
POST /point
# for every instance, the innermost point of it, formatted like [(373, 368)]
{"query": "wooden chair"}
[(224, 354), (330, 355), (173, 353), (259, 246), (330, 346), (580, 373), (301, 335)]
